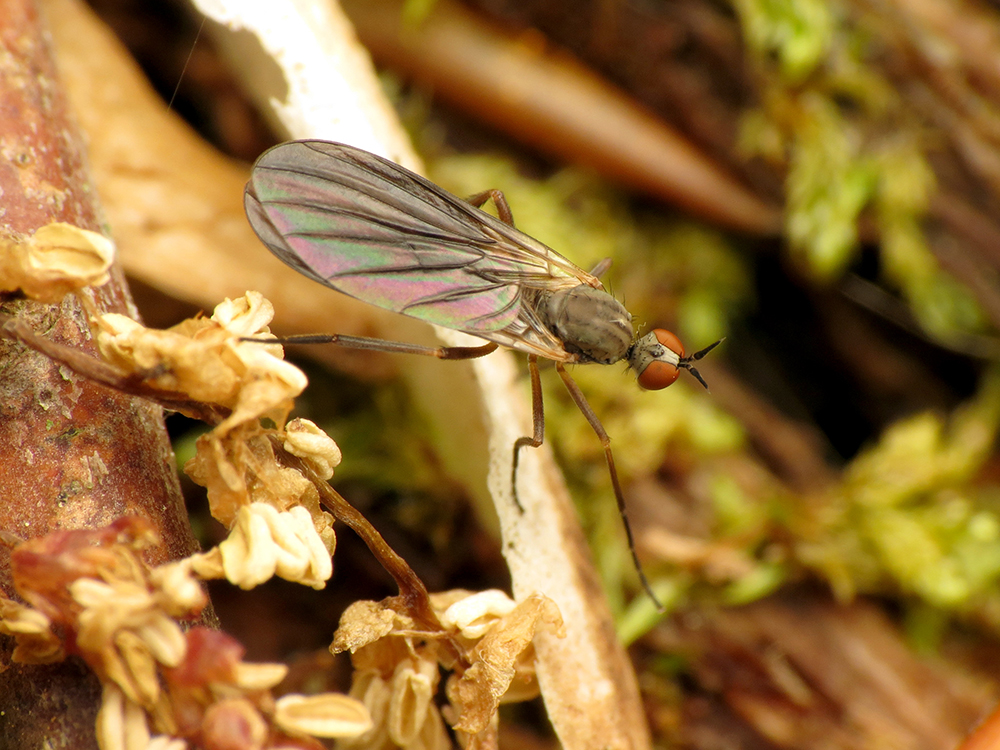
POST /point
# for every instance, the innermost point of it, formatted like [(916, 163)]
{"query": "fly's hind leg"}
[(602, 435), (537, 425)]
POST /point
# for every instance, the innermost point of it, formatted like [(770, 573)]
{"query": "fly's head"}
[(658, 358)]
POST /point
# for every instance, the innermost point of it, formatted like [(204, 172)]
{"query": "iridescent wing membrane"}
[(370, 229)]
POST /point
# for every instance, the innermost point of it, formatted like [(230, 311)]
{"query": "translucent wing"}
[(371, 229)]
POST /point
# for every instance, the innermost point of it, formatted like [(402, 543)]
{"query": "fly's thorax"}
[(589, 322)]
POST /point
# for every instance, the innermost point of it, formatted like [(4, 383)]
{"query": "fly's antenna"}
[(685, 362)]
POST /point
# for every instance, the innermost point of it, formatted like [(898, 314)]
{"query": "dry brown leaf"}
[(477, 694)]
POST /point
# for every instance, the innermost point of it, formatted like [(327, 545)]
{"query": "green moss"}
[(851, 148), (642, 614), (828, 185), (797, 34), (910, 515), (736, 512), (760, 581)]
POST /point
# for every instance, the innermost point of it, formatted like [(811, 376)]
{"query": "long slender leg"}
[(381, 345), (537, 424), (602, 435), (537, 409)]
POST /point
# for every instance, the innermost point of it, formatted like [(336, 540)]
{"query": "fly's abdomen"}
[(589, 322)]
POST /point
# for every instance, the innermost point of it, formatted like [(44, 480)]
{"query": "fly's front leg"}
[(503, 207), (537, 421), (602, 435), (381, 345)]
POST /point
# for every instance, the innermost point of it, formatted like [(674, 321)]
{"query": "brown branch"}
[(72, 454), (412, 590), (99, 371)]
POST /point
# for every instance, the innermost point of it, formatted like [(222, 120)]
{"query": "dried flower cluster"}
[(207, 360), (485, 642), (57, 259), (272, 511), (89, 593)]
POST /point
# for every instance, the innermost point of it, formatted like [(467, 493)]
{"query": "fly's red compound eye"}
[(670, 340), (661, 372)]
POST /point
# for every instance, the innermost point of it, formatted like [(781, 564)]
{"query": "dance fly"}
[(362, 225)]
